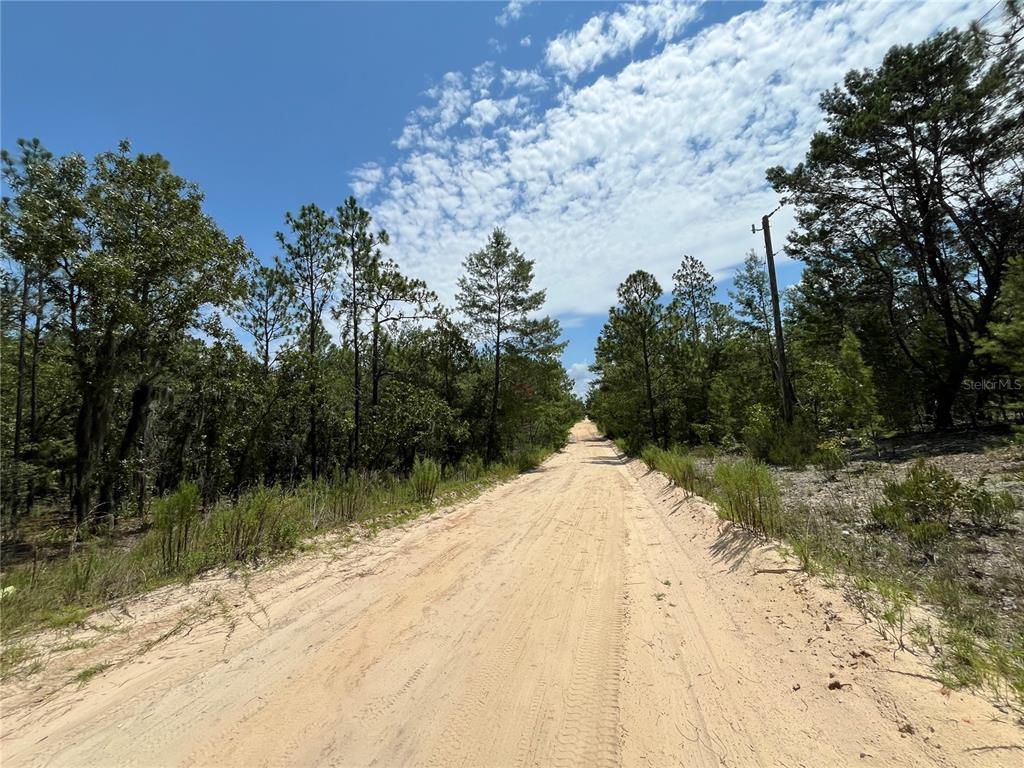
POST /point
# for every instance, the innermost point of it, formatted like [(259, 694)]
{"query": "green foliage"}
[(174, 518), (682, 468), (747, 494), (470, 468), (125, 388), (921, 506), (528, 459), (254, 526), (917, 266), (830, 456), (425, 477), (990, 511), (497, 297), (769, 439)]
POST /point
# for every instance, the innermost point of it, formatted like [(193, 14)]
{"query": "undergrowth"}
[(185, 539)]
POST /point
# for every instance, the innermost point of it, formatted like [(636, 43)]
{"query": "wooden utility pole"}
[(785, 385)]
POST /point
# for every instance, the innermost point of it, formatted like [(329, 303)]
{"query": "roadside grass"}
[(889, 556), (89, 673), (261, 526), (682, 468)]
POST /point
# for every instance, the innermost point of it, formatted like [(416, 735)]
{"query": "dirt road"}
[(583, 614)]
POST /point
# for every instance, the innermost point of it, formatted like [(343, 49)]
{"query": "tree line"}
[(143, 347), (908, 313)]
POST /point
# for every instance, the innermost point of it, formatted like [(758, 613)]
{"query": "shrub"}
[(470, 468), (990, 511), (767, 438), (921, 506), (526, 459), (747, 494), (174, 516), (830, 456), (425, 477)]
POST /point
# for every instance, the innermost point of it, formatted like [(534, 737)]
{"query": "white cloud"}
[(365, 179), (511, 12), (523, 79), (609, 35), (581, 377), (526, 42), (488, 111), (665, 156)]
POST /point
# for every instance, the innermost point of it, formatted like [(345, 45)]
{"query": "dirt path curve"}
[(583, 614)]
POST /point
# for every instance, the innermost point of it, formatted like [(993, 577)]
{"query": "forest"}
[(148, 356), (907, 315)]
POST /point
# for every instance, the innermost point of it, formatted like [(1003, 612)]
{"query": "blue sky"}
[(603, 137)]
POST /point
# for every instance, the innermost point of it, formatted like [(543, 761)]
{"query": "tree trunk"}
[(949, 389), (375, 363), (142, 398), (649, 390), (314, 437), (19, 399), (357, 380), (90, 432), (33, 418), (492, 425)]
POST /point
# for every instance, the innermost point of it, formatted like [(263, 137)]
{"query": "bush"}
[(768, 439), (425, 477), (831, 456), (174, 516), (526, 459), (747, 494), (471, 468), (990, 511), (921, 506)]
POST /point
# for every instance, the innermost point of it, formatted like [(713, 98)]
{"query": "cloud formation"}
[(511, 12), (609, 35), (596, 176)]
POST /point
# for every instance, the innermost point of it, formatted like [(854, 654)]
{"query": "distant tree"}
[(495, 296), (311, 261), (265, 308), (632, 341), (359, 248)]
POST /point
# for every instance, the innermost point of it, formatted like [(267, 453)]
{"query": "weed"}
[(89, 673), (830, 456), (527, 459), (682, 469), (747, 495), (425, 477), (919, 507), (174, 516), (990, 511)]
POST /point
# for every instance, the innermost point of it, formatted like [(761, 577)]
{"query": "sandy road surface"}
[(583, 614)]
